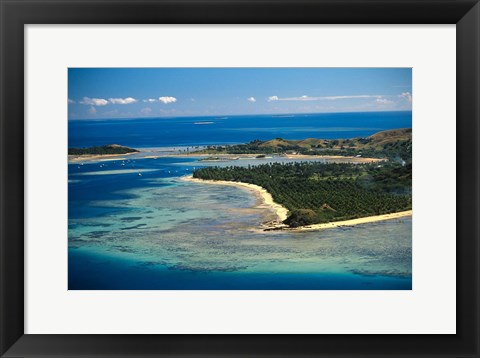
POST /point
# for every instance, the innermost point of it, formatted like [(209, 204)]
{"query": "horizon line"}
[(231, 115)]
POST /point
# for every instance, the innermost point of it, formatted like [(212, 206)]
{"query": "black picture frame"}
[(15, 14)]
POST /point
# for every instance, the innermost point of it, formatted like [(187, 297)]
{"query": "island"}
[(395, 143), (91, 153), (312, 194), (102, 150), (323, 183)]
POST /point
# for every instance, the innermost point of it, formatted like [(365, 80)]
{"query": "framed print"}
[(239, 178)]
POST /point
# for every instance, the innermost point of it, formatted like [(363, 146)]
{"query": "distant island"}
[(320, 193), (396, 143), (102, 150)]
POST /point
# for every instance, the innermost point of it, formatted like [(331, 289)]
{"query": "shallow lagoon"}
[(155, 231)]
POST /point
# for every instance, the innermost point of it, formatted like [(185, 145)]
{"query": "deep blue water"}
[(162, 132), (96, 271), (154, 231)]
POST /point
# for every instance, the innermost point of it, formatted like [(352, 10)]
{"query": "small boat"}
[(139, 174)]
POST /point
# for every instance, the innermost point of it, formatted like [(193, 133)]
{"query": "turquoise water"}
[(134, 224), (156, 231)]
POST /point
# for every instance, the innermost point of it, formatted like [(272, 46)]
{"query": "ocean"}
[(188, 131), (134, 224)]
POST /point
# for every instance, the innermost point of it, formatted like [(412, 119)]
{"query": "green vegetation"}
[(393, 144), (102, 150), (317, 193), (301, 217)]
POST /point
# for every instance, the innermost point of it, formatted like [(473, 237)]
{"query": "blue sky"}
[(102, 93)]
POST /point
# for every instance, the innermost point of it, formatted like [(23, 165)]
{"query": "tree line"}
[(317, 192), (101, 150)]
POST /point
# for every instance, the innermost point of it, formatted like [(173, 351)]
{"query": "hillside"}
[(377, 141), (395, 144)]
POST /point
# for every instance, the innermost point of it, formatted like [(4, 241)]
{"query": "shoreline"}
[(353, 222), (149, 154), (282, 212), (288, 156), (94, 157), (340, 158)]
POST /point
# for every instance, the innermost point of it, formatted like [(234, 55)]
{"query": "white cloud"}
[(149, 100), (383, 101), (103, 102), (407, 96), (127, 100), (251, 99), (333, 98), (92, 110), (167, 100), (325, 98), (71, 101), (94, 101)]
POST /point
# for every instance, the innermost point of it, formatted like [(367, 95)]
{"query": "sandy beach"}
[(260, 192), (336, 158), (149, 154), (97, 157), (282, 212), (352, 222)]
